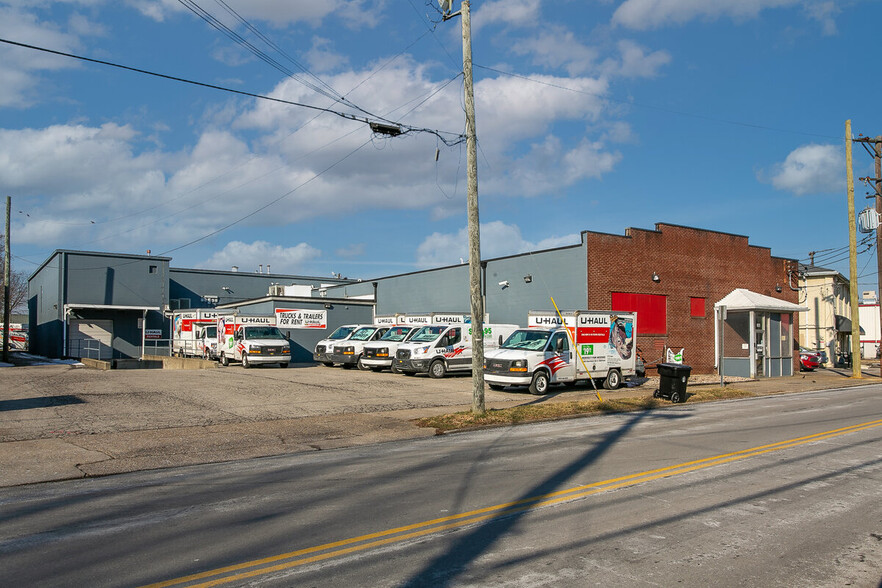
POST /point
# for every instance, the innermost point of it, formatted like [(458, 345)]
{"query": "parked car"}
[(808, 359)]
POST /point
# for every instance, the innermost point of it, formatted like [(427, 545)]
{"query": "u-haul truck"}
[(543, 354), (187, 331), (440, 348), (252, 340)]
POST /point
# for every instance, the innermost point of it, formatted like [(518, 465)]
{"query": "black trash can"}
[(672, 384)]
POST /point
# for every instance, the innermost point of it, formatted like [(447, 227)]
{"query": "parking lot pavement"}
[(64, 421)]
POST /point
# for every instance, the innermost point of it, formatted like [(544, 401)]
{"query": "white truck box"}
[(542, 355), (380, 354), (251, 340), (441, 348)]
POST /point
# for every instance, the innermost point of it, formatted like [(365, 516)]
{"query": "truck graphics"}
[(251, 340), (542, 354), (186, 330), (438, 349)]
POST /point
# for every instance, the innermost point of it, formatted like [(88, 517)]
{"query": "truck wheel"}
[(245, 363), (361, 365), (539, 385), (613, 380), (224, 361), (437, 369)]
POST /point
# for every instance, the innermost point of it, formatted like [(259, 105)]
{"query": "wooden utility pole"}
[(852, 260), (7, 278), (474, 225)]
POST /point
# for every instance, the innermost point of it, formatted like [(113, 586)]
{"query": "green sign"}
[(587, 349)]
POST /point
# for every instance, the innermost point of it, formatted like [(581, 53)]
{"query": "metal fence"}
[(158, 347)]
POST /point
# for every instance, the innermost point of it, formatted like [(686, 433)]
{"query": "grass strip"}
[(553, 410)]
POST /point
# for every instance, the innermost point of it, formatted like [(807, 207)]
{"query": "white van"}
[(380, 354), (438, 349), (348, 352)]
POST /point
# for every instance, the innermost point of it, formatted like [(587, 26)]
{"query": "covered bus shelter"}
[(754, 335)]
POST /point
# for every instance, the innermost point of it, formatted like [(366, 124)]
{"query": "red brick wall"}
[(690, 263)]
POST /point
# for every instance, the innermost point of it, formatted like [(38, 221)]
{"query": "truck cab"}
[(259, 344)]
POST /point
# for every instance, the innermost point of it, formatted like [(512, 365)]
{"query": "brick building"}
[(672, 276)]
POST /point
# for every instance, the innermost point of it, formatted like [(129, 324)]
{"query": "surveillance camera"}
[(504, 283)]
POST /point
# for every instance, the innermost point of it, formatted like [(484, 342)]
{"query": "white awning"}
[(743, 299), (74, 306)]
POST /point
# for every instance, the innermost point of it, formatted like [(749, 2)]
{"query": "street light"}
[(477, 301)]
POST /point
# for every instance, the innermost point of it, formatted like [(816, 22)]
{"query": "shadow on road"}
[(40, 402), (443, 570)]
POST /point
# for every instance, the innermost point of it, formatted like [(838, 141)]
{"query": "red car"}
[(808, 360)]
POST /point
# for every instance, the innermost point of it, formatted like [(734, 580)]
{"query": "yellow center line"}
[(404, 533)]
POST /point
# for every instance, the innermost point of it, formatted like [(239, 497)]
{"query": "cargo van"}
[(348, 352), (442, 348), (380, 354)]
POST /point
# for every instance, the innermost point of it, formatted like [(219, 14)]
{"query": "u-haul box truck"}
[(253, 340), (543, 354), (441, 348), (187, 327)]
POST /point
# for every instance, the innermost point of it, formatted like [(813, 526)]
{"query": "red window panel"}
[(651, 310), (697, 307)]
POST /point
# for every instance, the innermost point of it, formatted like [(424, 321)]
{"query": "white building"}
[(870, 332)]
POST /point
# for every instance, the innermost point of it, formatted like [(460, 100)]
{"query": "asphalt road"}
[(769, 491)]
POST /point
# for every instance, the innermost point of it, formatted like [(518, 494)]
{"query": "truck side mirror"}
[(500, 340)]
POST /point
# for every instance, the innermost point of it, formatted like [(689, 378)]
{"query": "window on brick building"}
[(651, 310), (697, 307)]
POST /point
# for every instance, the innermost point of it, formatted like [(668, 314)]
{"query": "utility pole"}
[(7, 278), (852, 258), (877, 156), (477, 300)]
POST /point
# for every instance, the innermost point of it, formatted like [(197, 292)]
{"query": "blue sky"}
[(591, 115)]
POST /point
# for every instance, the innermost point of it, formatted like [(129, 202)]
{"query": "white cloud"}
[(497, 239), (284, 260), (19, 66), (825, 13), (321, 58), (635, 62), (811, 169), (651, 14), (508, 12)]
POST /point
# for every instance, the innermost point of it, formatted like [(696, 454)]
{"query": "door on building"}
[(90, 338)]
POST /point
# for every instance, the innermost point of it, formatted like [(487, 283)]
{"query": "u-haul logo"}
[(256, 320)]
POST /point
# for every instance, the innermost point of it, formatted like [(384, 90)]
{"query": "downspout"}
[(143, 331), (65, 352)]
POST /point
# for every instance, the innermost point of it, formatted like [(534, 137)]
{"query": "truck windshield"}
[(396, 334), (263, 333), (363, 334), (527, 339), (428, 334), (341, 333)]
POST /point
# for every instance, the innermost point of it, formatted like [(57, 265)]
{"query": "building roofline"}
[(335, 281), (57, 252)]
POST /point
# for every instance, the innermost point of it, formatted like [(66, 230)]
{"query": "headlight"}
[(286, 350), (383, 352), (519, 365), (348, 350)]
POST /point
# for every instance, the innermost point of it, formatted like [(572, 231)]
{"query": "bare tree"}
[(18, 287)]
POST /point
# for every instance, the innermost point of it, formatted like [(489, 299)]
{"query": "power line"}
[(404, 129)]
